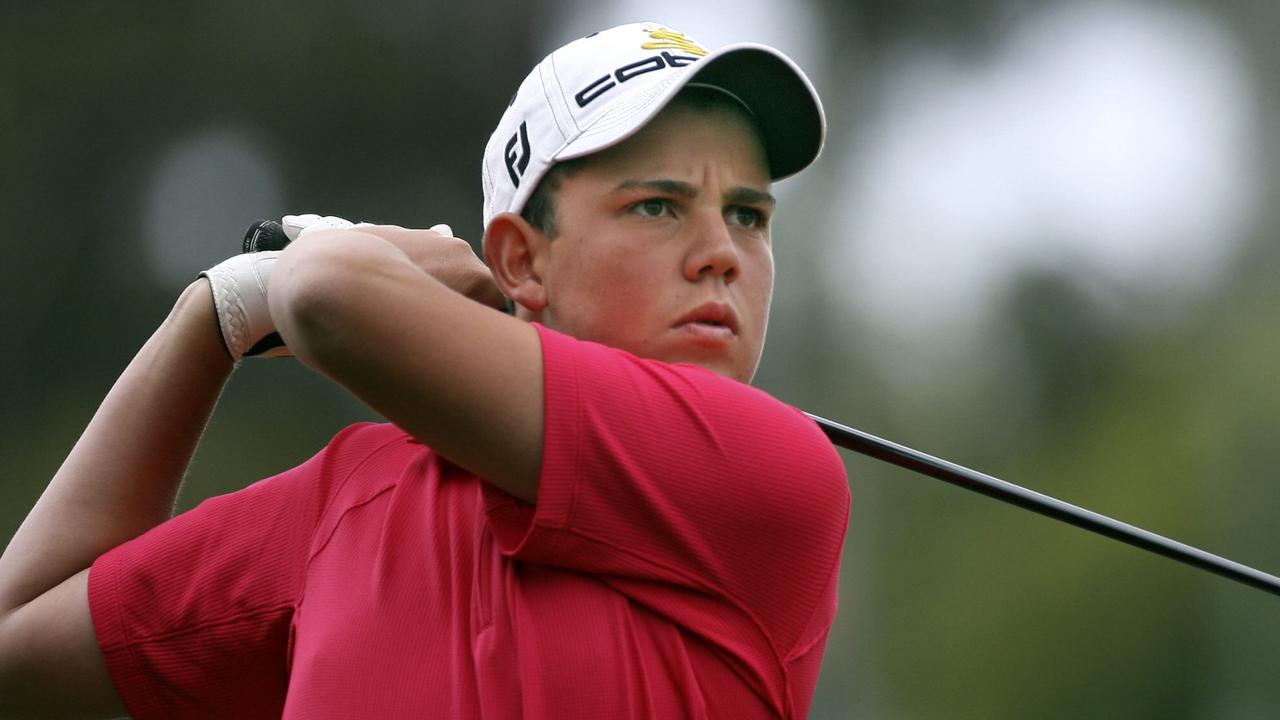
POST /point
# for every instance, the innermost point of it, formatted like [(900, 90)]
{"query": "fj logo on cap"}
[(516, 163)]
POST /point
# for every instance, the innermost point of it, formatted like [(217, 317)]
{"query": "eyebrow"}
[(740, 194)]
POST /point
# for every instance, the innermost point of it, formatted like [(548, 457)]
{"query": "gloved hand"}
[(296, 225), (240, 286)]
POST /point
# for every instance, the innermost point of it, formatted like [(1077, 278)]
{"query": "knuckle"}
[(457, 245)]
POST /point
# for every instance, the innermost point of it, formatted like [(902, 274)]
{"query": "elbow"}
[(8, 670)]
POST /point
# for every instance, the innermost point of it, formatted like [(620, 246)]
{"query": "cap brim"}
[(783, 101)]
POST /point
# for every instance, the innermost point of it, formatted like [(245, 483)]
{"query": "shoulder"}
[(684, 415), (363, 455), (350, 466), (355, 446), (364, 438), (575, 367)]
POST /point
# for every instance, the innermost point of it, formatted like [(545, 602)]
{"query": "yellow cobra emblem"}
[(665, 39)]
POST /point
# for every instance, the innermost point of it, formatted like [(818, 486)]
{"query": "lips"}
[(710, 315)]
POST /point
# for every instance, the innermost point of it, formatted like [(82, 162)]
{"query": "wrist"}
[(194, 322), (239, 288)]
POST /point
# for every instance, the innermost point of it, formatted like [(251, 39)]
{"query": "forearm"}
[(123, 474), (385, 313)]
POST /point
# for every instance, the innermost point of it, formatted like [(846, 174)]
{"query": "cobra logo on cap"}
[(662, 39), (666, 39)]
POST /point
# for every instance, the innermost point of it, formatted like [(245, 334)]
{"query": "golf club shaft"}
[(905, 457)]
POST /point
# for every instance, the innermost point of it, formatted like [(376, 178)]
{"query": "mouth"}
[(713, 318)]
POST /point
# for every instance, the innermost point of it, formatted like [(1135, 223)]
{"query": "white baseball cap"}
[(599, 90)]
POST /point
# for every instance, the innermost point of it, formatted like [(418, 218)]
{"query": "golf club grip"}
[(264, 235), (905, 457)]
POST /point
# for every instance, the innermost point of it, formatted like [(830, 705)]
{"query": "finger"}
[(442, 229), (296, 225)]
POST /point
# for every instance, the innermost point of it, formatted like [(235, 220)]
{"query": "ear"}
[(512, 250)]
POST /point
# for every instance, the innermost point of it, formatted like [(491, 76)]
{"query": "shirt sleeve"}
[(193, 617), (701, 489)]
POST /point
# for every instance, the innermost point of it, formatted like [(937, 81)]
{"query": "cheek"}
[(595, 287), (757, 278), (625, 293), (614, 270)]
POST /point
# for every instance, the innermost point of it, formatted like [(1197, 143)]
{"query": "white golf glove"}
[(295, 226), (240, 285)]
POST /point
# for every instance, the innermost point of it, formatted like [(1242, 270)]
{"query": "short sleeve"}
[(193, 617), (678, 478)]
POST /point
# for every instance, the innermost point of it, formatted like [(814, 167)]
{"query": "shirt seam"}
[(127, 640), (336, 523), (312, 551), (337, 490), (250, 614)]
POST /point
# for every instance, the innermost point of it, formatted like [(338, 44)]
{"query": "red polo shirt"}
[(681, 561)]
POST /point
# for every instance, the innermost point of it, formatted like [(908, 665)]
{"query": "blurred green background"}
[(1039, 242)]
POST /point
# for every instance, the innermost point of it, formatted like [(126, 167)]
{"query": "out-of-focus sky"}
[(1116, 138)]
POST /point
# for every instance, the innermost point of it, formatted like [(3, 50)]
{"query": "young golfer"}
[(579, 509)]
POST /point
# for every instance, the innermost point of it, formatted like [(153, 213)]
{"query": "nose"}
[(713, 252)]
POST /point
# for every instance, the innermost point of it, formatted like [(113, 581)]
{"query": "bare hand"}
[(449, 260)]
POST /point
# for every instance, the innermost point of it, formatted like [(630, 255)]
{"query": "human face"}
[(664, 244)]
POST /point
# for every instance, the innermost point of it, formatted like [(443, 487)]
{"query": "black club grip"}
[(264, 235)]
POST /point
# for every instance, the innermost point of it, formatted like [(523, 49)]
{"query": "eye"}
[(652, 207), (747, 217)]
